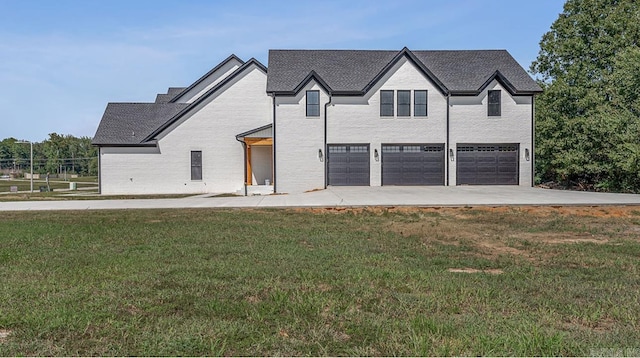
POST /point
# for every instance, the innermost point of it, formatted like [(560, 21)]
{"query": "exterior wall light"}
[(527, 157), (451, 156), (376, 155), (320, 156)]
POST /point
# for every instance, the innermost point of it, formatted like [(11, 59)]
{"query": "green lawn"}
[(25, 184), (323, 282)]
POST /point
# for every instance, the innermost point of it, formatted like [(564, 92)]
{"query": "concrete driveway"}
[(354, 196)]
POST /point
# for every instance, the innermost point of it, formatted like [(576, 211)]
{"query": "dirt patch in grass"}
[(4, 334), (564, 238), (493, 232), (602, 325), (595, 211), (493, 249), (463, 213), (470, 270)]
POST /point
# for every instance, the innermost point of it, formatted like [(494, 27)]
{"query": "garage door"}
[(487, 164), (348, 164), (413, 164)]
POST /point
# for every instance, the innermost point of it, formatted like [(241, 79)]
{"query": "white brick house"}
[(327, 117)]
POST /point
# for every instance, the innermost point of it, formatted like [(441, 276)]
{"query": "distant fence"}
[(51, 176)]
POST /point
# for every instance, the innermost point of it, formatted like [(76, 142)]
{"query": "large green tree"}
[(588, 118)]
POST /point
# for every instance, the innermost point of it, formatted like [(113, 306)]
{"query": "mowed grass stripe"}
[(318, 282)]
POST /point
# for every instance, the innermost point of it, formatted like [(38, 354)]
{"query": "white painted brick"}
[(469, 123), (242, 106)]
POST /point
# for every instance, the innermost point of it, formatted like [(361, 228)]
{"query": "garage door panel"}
[(412, 164), (508, 160), (487, 164), (484, 159), (348, 164)]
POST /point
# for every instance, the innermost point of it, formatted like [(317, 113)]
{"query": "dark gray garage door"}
[(413, 164), (348, 164), (487, 164)]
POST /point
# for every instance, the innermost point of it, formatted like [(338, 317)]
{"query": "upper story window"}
[(493, 107), (196, 165), (386, 103), (404, 103), (313, 103), (420, 103)]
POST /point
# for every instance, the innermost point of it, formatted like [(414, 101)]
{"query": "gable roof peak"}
[(232, 57), (254, 61)]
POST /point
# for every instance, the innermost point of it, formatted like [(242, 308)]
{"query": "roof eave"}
[(255, 130), (475, 93), (152, 143)]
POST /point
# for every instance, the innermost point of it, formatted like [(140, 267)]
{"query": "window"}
[(196, 165), (412, 149), (494, 103), (386, 103), (359, 149), (404, 103), (390, 149), (313, 103), (420, 103)]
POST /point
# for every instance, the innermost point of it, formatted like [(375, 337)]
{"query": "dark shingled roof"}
[(129, 123), (354, 71), (171, 93), (468, 70), (136, 124)]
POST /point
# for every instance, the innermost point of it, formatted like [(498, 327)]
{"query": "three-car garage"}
[(424, 164)]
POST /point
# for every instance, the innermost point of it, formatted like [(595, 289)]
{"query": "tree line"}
[(57, 154), (588, 117)]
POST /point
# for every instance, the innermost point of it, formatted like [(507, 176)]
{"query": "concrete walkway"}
[(354, 197)]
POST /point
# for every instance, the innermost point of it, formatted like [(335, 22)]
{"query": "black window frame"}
[(386, 108), (418, 112), (315, 107), (494, 99), (196, 165), (404, 108)]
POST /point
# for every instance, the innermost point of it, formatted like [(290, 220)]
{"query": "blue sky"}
[(61, 61)]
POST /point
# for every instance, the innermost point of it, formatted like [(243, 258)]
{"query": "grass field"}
[(412, 282), (87, 190), (25, 184)]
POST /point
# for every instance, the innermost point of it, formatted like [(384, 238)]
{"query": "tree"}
[(588, 117), (73, 155)]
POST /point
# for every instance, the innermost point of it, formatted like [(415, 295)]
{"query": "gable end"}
[(214, 89)]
